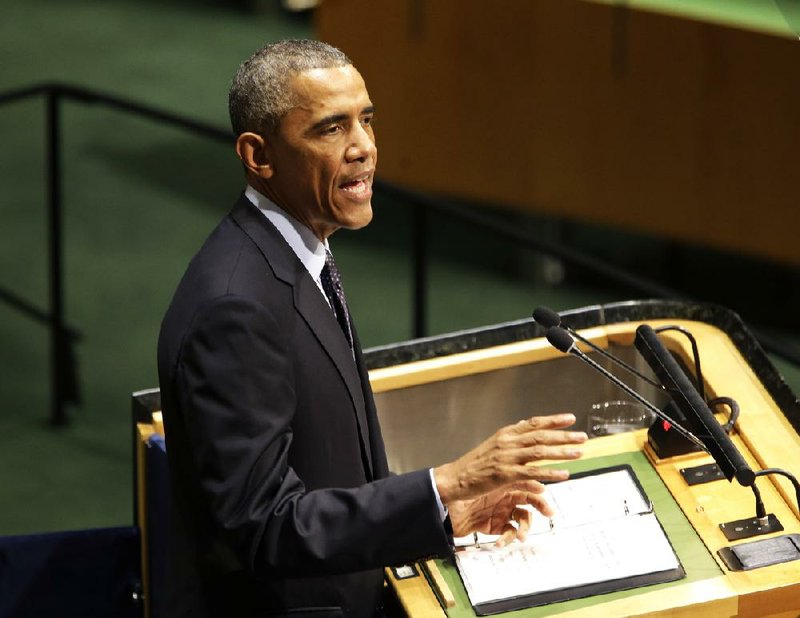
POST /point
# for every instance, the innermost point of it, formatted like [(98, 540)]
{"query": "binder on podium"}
[(604, 537)]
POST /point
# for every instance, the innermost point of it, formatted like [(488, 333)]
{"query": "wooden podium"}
[(440, 396)]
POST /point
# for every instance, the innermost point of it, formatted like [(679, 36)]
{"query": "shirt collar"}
[(309, 249)]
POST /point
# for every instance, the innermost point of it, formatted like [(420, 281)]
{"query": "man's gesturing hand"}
[(504, 462)]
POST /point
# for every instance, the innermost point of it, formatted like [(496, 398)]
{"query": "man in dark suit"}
[(281, 497)]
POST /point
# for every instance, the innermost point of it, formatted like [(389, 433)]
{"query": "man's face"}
[(323, 157)]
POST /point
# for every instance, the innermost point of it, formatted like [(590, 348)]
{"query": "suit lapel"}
[(310, 304), (320, 319)]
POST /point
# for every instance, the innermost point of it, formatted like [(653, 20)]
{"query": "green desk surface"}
[(694, 556), (780, 17)]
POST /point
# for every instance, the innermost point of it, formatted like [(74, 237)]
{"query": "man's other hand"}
[(482, 489)]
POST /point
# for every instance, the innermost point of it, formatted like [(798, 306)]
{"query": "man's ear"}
[(253, 150)]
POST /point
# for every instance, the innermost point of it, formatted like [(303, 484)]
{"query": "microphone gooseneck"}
[(548, 318), (562, 341)]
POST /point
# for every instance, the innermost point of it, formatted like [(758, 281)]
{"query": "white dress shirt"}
[(309, 249)]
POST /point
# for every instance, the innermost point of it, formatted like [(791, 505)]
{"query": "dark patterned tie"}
[(331, 280)]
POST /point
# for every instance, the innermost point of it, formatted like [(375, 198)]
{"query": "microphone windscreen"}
[(560, 339), (546, 317)]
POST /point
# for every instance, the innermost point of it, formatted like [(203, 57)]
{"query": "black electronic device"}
[(765, 552)]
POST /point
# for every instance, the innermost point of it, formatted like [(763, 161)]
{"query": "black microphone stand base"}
[(750, 527), (666, 442)]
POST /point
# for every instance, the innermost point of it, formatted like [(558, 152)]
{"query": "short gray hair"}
[(260, 94)]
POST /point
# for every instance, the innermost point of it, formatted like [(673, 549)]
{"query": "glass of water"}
[(610, 417)]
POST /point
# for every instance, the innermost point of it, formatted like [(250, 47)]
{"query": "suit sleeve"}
[(236, 387)]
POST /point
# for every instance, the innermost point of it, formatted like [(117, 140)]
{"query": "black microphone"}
[(548, 318), (693, 406), (562, 341)]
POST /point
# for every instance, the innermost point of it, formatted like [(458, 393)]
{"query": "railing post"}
[(58, 342), (420, 257)]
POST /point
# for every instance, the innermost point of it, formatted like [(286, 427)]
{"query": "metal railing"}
[(64, 382)]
